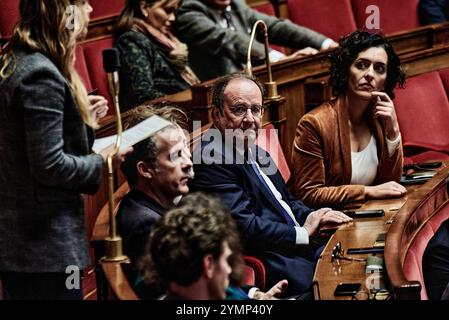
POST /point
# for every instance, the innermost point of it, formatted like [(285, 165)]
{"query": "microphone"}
[(111, 65), (271, 86)]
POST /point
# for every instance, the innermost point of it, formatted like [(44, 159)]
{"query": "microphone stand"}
[(273, 101), (114, 248), (271, 86)]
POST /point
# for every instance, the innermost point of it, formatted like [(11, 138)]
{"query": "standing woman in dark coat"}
[(154, 61), (44, 153)]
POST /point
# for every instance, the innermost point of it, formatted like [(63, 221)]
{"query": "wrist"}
[(392, 134), (368, 192)]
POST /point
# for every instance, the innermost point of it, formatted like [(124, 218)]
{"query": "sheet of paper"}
[(133, 135)]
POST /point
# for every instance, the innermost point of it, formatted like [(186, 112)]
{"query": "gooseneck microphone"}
[(111, 65)]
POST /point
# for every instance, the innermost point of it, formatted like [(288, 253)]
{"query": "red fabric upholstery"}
[(413, 261), (423, 109), (259, 271), (332, 18), (103, 9), (395, 15), (249, 276), (268, 9), (81, 68), (426, 156), (444, 74), (9, 15), (94, 60), (269, 141)]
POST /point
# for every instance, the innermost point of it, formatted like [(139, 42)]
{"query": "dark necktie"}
[(271, 196), (228, 18)]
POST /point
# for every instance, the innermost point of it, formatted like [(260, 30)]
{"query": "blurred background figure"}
[(190, 248), (154, 61), (433, 11), (218, 32)]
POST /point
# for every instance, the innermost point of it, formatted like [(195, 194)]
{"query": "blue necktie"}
[(271, 196)]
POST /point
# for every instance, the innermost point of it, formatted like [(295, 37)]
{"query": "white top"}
[(364, 164)]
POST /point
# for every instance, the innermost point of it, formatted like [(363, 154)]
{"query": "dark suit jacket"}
[(216, 51), (44, 167), (265, 230), (136, 216), (433, 11)]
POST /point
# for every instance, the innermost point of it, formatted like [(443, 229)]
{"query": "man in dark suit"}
[(157, 173), (277, 228), (433, 11)]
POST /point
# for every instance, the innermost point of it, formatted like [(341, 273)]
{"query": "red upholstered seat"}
[(9, 15), (81, 68), (425, 156), (249, 276), (395, 15), (269, 141), (259, 272), (268, 9), (413, 261), (94, 60), (103, 9), (423, 112), (444, 74), (332, 18)]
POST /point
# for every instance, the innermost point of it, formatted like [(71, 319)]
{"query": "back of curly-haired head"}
[(350, 47), (147, 150), (180, 240)]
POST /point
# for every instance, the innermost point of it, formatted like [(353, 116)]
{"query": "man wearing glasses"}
[(275, 226)]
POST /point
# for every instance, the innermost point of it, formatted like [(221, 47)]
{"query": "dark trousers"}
[(436, 263), (38, 286)]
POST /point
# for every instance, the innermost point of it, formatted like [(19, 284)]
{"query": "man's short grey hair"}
[(221, 84)]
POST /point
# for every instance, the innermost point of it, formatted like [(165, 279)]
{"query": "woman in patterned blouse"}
[(154, 61)]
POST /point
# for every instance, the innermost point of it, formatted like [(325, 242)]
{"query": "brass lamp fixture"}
[(114, 249), (271, 86)]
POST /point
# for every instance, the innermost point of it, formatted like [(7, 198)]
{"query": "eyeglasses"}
[(240, 111), (338, 254), (379, 294)]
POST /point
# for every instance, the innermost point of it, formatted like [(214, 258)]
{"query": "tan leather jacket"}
[(321, 157)]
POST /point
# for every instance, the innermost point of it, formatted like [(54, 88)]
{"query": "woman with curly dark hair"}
[(349, 149)]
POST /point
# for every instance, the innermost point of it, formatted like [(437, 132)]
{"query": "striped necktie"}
[(228, 18), (270, 195)]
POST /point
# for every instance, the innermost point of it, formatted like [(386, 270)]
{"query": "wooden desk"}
[(363, 232)]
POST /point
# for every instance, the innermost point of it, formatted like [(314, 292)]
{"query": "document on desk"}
[(133, 135)]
